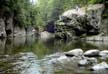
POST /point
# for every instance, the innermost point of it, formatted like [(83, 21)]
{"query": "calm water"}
[(29, 55)]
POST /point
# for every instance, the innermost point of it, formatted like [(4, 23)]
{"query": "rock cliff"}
[(80, 22)]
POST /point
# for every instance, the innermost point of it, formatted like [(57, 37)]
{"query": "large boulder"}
[(81, 21)]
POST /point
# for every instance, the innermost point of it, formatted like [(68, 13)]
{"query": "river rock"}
[(100, 66), (92, 53), (83, 62), (87, 61), (104, 53), (74, 52), (63, 59), (92, 60)]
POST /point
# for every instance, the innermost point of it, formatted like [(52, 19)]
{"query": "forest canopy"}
[(25, 13)]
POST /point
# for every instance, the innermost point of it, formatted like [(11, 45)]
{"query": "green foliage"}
[(23, 12), (49, 10), (94, 1)]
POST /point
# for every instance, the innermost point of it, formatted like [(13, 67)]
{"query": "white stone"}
[(75, 52), (104, 53), (92, 60), (83, 62), (92, 52), (63, 59), (69, 13), (100, 66)]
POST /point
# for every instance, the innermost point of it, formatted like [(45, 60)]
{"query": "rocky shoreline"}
[(76, 60), (85, 22), (92, 60)]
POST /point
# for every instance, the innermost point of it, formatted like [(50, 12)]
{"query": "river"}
[(31, 55)]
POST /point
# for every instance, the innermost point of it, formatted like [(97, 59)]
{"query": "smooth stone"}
[(100, 66), (103, 53), (74, 52), (92, 53), (92, 60), (87, 61), (83, 62), (63, 59)]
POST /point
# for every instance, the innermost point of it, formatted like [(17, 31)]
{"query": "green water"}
[(12, 60)]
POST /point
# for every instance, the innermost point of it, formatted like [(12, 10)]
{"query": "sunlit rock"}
[(83, 62), (84, 21), (69, 60), (63, 59), (74, 11), (103, 54), (100, 66), (46, 35), (92, 53), (74, 52), (87, 61)]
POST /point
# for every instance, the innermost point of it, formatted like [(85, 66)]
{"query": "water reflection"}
[(102, 45), (27, 55), (21, 63)]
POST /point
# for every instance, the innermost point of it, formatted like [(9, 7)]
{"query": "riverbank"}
[(84, 23)]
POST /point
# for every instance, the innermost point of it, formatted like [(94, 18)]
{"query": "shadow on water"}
[(21, 55)]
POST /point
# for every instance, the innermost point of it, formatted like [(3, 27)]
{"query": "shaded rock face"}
[(2, 28), (105, 20), (80, 22), (9, 26), (19, 31), (50, 27), (30, 31)]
